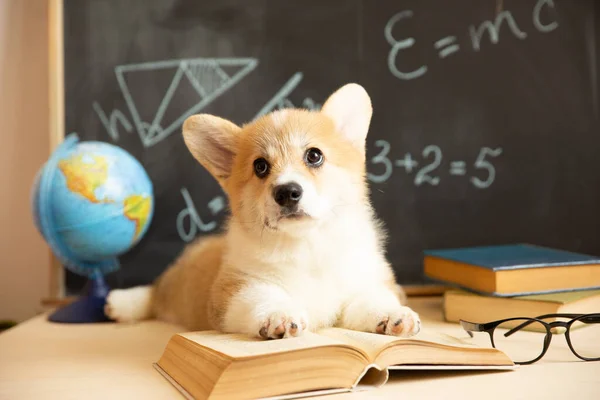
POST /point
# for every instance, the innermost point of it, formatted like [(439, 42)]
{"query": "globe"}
[(92, 202)]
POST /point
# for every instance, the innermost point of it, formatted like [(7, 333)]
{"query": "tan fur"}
[(181, 293), (230, 283), (269, 275)]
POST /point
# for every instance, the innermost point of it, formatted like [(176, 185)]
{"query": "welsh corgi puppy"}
[(302, 249)]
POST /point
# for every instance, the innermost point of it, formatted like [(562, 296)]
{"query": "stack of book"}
[(516, 280)]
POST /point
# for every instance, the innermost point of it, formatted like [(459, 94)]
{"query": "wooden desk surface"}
[(43, 360)]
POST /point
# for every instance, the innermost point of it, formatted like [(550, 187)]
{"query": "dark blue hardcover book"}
[(513, 269), (513, 256)]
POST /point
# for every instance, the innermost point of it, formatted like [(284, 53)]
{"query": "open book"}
[(214, 365)]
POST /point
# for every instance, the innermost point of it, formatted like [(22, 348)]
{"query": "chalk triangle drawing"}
[(207, 76), (147, 89), (281, 98)]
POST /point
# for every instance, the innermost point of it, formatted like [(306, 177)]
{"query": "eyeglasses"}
[(507, 334)]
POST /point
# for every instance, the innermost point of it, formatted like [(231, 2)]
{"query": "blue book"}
[(513, 269)]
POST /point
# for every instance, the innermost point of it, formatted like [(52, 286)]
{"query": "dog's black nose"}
[(287, 195)]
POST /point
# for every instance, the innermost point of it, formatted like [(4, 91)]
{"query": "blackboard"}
[(485, 126)]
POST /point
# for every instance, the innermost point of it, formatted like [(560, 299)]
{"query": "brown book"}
[(460, 304), (214, 365)]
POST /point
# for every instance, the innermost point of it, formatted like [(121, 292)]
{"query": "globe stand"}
[(87, 309)]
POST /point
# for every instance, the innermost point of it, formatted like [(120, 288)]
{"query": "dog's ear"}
[(213, 142), (350, 109)]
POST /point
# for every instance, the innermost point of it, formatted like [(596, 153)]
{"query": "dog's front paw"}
[(280, 325), (403, 322)]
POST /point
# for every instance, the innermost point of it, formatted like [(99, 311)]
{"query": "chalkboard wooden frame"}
[(56, 129)]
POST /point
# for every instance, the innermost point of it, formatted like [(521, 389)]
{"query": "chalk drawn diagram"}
[(206, 76), (280, 99)]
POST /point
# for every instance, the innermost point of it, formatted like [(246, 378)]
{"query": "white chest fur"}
[(321, 270)]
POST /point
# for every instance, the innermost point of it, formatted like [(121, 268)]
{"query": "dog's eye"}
[(313, 157), (261, 167)]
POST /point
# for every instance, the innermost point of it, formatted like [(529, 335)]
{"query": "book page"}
[(374, 343), (241, 346), (370, 343)]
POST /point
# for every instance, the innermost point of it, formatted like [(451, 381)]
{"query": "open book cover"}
[(213, 365)]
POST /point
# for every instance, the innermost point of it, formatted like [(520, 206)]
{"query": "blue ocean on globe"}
[(92, 202)]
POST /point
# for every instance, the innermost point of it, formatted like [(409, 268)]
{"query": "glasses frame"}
[(490, 327)]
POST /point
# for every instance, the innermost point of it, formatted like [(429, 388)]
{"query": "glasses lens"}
[(585, 336), (521, 339)]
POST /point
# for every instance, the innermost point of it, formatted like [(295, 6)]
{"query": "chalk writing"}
[(458, 168), (483, 163), (448, 45), (484, 172), (536, 17), (382, 158), (493, 30), (189, 216), (422, 175), (110, 124), (407, 163), (398, 45)]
